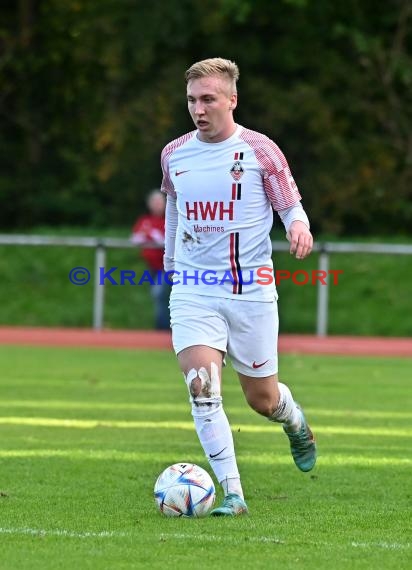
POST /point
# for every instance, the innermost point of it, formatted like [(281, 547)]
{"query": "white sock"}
[(287, 411), (215, 436), (232, 485)]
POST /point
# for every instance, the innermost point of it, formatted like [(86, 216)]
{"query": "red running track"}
[(288, 343)]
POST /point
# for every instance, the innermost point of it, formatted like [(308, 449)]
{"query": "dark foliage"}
[(91, 90)]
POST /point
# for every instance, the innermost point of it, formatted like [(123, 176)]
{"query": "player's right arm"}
[(171, 215), (171, 207), (170, 233)]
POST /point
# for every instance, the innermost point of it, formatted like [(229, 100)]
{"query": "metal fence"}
[(100, 245)]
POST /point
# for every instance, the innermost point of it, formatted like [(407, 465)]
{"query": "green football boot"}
[(302, 446), (232, 506)]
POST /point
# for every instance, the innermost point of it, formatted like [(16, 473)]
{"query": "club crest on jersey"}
[(237, 170)]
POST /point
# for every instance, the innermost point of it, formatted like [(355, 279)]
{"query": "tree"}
[(92, 90)]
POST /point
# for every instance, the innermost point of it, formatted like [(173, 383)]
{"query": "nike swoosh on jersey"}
[(259, 365), (181, 172)]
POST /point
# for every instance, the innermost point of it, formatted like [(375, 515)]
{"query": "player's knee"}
[(262, 408), (194, 383), (204, 387), (263, 405)]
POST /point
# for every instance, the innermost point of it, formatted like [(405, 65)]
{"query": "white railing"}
[(102, 244)]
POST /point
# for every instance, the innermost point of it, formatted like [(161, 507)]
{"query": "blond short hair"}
[(214, 66)]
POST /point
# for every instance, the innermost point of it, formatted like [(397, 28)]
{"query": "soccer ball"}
[(184, 490)]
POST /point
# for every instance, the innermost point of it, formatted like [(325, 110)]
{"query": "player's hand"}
[(300, 239)]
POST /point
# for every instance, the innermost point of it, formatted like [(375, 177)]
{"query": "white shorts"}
[(246, 330)]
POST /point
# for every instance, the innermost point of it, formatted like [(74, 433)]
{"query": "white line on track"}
[(218, 538), (188, 536), (274, 539), (387, 545), (62, 532)]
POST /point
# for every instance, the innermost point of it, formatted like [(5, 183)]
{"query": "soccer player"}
[(222, 181)]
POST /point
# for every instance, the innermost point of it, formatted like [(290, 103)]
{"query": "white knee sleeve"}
[(287, 411), (204, 390)]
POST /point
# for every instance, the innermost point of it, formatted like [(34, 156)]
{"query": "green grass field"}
[(85, 432), (42, 294)]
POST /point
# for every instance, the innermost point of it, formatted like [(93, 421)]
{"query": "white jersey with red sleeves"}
[(224, 195)]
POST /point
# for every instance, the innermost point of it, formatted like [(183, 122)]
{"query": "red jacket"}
[(150, 229)]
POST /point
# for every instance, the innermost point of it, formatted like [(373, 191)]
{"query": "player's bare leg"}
[(202, 369), (272, 399)]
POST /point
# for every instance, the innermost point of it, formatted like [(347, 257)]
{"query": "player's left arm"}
[(298, 233), (284, 196), (300, 239)]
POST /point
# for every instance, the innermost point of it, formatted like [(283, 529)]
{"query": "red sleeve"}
[(278, 181), (167, 183)]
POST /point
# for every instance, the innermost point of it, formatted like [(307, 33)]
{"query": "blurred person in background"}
[(150, 229)]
